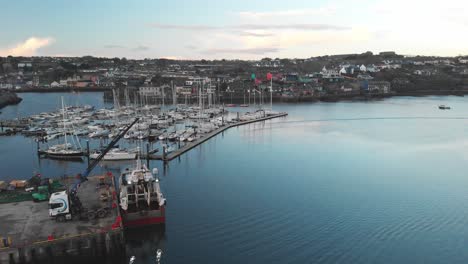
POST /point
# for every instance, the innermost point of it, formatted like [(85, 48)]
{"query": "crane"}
[(63, 205), (84, 177)]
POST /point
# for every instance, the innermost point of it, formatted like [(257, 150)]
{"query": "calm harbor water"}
[(349, 182)]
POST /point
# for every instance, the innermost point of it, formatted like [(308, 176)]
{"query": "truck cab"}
[(59, 206)]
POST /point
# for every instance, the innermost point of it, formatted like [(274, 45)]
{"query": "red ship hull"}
[(143, 218)]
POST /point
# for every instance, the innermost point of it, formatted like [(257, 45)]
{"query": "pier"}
[(190, 145), (29, 235)]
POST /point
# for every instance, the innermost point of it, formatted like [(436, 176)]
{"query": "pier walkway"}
[(190, 145)]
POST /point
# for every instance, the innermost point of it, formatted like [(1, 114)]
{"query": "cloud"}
[(141, 48), (28, 47), (255, 34), (113, 46), (305, 26), (191, 47), (183, 27), (290, 13), (255, 51)]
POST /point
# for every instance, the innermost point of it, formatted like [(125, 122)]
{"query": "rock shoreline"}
[(9, 98)]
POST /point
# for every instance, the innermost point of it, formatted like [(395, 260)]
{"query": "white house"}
[(363, 68), (343, 70), (63, 83), (55, 84), (372, 68)]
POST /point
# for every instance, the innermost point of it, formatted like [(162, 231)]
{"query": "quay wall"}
[(105, 245)]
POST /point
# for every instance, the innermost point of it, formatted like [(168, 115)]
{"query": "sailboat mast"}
[(271, 94), (63, 119), (174, 94), (243, 90), (163, 97)]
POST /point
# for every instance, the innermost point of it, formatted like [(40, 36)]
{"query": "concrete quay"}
[(29, 235)]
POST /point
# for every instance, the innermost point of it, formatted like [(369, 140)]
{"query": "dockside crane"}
[(71, 204), (114, 141)]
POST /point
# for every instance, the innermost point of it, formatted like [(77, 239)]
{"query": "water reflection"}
[(143, 243)]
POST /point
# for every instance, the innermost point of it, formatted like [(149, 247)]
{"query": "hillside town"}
[(234, 81)]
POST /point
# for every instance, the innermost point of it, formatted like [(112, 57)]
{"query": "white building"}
[(372, 68), (343, 71), (151, 90), (6, 86)]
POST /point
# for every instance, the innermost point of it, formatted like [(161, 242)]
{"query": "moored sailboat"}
[(66, 150)]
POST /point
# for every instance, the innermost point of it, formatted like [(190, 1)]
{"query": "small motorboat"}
[(444, 107)]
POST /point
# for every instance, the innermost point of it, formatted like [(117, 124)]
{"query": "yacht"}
[(63, 151), (66, 150), (115, 154)]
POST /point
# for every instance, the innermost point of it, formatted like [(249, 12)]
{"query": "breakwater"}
[(9, 98)]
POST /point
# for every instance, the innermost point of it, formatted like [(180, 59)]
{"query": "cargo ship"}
[(141, 200)]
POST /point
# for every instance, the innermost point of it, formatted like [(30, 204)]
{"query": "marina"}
[(94, 224), (174, 132), (171, 131), (325, 151)]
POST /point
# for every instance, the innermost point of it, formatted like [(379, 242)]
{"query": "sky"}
[(241, 29)]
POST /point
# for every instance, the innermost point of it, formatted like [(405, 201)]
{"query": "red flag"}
[(269, 76), (257, 81)]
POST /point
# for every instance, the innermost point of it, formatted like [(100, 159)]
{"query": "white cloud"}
[(250, 26), (329, 10), (421, 27), (250, 51), (408, 27), (29, 47)]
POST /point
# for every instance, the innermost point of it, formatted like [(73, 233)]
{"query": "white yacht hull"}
[(115, 156)]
